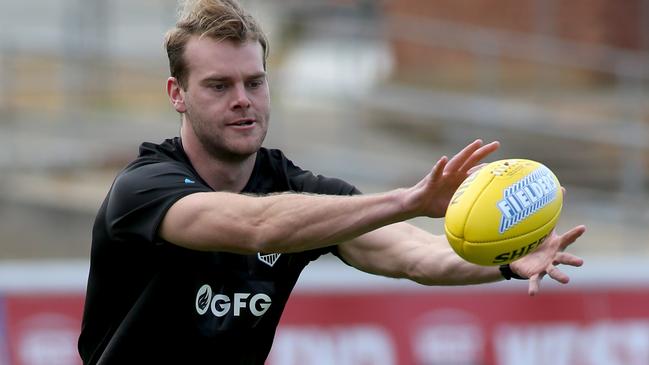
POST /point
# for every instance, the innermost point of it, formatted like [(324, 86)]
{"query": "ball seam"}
[(475, 201)]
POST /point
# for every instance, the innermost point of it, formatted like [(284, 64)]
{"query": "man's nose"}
[(240, 98)]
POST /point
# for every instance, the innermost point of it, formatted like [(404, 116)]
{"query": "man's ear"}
[(176, 95)]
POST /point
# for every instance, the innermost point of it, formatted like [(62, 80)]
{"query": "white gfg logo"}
[(220, 304)]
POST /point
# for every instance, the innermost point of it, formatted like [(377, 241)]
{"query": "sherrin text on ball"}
[(503, 211)]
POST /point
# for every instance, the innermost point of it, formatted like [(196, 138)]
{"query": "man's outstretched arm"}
[(220, 221), (404, 251)]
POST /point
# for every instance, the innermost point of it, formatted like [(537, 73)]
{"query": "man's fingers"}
[(564, 258), (571, 236), (533, 285), (479, 155), (554, 272), (438, 169), (558, 275), (560, 258), (460, 158)]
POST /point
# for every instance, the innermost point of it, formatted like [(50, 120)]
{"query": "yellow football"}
[(503, 211)]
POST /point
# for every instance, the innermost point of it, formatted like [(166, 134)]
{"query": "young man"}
[(201, 239)]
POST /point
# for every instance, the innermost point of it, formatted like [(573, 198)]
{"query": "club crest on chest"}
[(268, 259)]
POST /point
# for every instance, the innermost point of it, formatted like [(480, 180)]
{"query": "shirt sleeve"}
[(141, 196), (307, 182)]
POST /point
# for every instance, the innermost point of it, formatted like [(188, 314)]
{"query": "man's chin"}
[(239, 154), (233, 149)]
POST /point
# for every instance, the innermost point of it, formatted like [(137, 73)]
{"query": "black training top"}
[(149, 301)]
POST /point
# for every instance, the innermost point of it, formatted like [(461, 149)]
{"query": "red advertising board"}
[(577, 327), (43, 329), (345, 322)]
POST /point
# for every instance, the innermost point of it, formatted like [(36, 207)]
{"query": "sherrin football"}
[(503, 211)]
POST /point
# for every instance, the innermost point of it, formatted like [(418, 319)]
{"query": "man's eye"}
[(255, 84), (218, 87)]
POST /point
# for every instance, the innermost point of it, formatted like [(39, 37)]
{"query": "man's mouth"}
[(243, 122)]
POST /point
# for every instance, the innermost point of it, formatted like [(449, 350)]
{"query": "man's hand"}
[(544, 260), (431, 196)]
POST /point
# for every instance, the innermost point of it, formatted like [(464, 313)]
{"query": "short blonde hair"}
[(217, 19)]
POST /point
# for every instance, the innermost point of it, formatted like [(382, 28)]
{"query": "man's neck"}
[(219, 174)]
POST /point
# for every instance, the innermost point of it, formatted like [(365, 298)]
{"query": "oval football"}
[(503, 212)]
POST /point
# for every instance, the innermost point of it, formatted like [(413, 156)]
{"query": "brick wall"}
[(619, 24)]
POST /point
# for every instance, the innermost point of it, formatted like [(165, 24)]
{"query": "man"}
[(201, 239)]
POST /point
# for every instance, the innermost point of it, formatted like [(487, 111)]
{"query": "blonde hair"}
[(217, 19)]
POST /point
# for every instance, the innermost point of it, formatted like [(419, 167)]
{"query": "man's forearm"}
[(285, 222), (453, 270), (297, 222), (405, 251)]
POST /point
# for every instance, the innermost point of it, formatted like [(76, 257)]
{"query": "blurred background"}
[(369, 91)]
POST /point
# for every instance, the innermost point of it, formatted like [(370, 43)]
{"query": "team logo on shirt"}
[(269, 259), (221, 304), (203, 298)]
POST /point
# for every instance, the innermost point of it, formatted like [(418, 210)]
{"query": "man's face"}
[(226, 98)]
